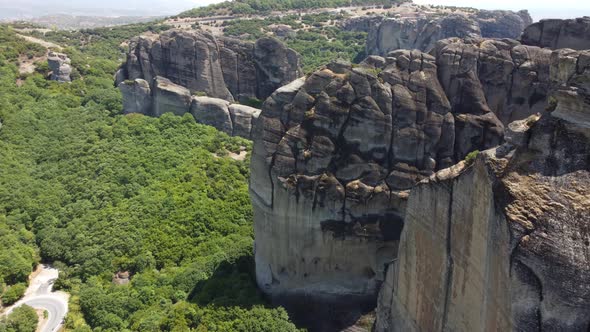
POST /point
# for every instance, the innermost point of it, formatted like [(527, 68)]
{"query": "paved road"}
[(39, 295), (56, 307)]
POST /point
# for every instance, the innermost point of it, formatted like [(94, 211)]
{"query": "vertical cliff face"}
[(222, 68), (556, 34), (333, 156), (494, 244), (503, 244), (423, 32)]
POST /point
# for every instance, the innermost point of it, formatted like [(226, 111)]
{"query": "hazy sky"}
[(538, 8)]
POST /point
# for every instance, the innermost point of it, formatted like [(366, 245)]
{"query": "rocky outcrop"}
[(503, 244), (555, 34), (336, 155), (170, 98), (213, 112), (242, 118), (333, 156), (221, 67), (59, 64), (137, 96), (502, 23), (167, 97), (423, 32)]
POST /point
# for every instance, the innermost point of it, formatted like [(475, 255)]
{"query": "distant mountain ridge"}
[(27, 9), (62, 21)]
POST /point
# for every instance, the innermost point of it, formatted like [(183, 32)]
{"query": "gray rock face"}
[(223, 67), (213, 112), (60, 67), (503, 23), (332, 156), (167, 97), (137, 97), (422, 33), (170, 97), (505, 241), (555, 34), (335, 155), (242, 118)]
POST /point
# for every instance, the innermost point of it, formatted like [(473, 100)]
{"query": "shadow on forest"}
[(233, 283)]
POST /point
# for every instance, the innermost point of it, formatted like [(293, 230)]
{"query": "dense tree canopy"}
[(97, 192)]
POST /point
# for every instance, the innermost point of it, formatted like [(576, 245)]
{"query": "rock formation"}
[(167, 97), (337, 153), (59, 64), (221, 67), (422, 32), (503, 244), (555, 34)]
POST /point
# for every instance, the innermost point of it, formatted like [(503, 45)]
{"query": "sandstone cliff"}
[(422, 32), (555, 33), (336, 153), (167, 97), (503, 245), (221, 67)]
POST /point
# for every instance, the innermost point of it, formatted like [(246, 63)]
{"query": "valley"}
[(297, 166)]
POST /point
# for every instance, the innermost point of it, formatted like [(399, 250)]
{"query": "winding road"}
[(39, 295)]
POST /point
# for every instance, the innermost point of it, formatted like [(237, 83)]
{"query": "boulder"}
[(137, 96), (242, 118), (59, 64), (170, 97), (213, 112)]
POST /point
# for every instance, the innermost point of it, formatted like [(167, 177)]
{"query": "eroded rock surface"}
[(167, 97), (337, 153), (221, 67), (503, 244), (137, 96), (556, 33), (60, 67), (423, 32)]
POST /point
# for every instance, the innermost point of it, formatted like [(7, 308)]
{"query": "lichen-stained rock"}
[(170, 97), (213, 112), (222, 67), (337, 152), (137, 97), (556, 34), (333, 155), (60, 67), (242, 118), (503, 244)]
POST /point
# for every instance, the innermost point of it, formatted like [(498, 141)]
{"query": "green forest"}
[(96, 192), (321, 42)]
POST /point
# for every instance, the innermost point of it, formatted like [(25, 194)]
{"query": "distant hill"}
[(62, 21), (26, 9)]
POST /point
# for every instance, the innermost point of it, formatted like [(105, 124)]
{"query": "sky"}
[(8, 8)]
